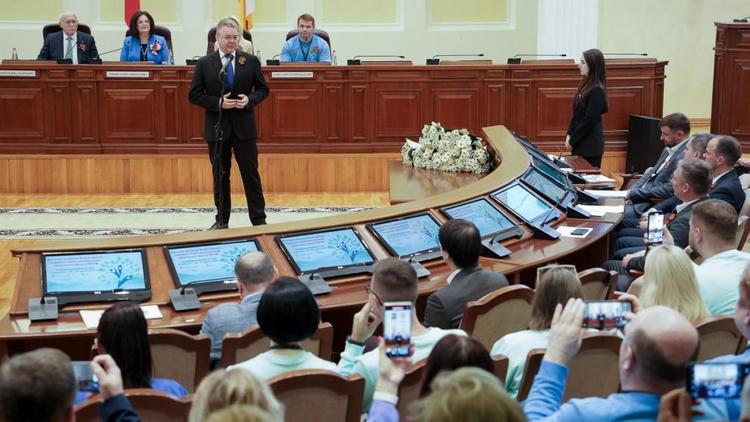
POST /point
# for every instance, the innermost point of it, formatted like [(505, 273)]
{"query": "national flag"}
[(131, 6), (248, 9)]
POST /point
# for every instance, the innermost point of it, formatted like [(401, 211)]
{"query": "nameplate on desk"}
[(124, 74), (19, 73), (291, 75)]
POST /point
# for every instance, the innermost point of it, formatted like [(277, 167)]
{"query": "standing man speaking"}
[(229, 120)]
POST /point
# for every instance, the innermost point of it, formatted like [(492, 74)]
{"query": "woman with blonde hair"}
[(669, 280), (223, 388)]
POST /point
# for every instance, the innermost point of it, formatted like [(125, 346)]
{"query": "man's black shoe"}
[(218, 226), (258, 222)]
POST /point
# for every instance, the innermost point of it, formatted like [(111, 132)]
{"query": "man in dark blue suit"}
[(69, 43)]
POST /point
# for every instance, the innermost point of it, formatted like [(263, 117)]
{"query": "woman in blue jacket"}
[(142, 44)]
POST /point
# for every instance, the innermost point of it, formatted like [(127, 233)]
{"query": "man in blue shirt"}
[(305, 46), (658, 344)]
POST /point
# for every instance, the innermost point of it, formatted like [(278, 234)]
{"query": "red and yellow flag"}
[(131, 6), (247, 9)]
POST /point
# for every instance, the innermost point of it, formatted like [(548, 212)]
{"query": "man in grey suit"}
[(656, 182), (254, 271), (461, 245)]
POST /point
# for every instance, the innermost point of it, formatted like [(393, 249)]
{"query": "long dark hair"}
[(597, 75), (134, 23), (453, 352), (123, 333)]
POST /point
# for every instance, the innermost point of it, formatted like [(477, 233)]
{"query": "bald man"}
[(254, 271), (658, 344)]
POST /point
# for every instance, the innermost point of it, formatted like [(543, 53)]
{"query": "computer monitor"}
[(552, 171), (330, 252), (208, 267), (526, 204), (488, 219), (548, 187), (96, 276), (413, 236)]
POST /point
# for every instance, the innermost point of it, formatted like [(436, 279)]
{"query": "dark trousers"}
[(246, 155), (594, 161)]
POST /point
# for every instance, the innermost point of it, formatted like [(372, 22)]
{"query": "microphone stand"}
[(218, 170)]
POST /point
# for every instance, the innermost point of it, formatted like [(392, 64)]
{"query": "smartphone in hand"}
[(605, 314), (397, 329), (85, 377), (655, 229), (715, 380)]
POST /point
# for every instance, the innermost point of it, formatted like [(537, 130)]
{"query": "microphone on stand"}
[(274, 61), (517, 58), (356, 59), (435, 60), (625, 54), (743, 20)]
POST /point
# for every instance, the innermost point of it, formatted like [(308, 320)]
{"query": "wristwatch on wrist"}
[(354, 342)]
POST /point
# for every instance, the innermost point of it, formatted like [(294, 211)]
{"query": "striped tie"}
[(69, 49)]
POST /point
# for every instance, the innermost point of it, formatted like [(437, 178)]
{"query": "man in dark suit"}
[(238, 74), (656, 182), (691, 182), (722, 154), (69, 43), (461, 245)]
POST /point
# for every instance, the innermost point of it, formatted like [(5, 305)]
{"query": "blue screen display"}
[(409, 236), (89, 272), (551, 171), (488, 219), (335, 248), (207, 263), (548, 188), (522, 202)]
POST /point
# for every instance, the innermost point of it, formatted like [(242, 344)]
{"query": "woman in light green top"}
[(287, 314), (555, 284)]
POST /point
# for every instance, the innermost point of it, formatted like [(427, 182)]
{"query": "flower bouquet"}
[(454, 150)]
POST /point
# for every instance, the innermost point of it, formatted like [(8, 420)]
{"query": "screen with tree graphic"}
[(408, 236), (207, 262), (327, 249), (85, 272), (488, 219)]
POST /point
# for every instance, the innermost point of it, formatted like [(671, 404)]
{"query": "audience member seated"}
[(254, 272), (466, 393), (287, 314), (658, 344), (123, 334), (242, 413), (555, 284), (37, 386), (243, 44), (222, 389), (460, 245), (713, 230), (691, 182), (453, 352), (305, 46), (669, 280), (115, 406), (69, 43), (393, 280), (656, 181), (143, 45)]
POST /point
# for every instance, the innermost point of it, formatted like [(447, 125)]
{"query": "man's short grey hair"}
[(229, 22), (254, 268), (66, 13)]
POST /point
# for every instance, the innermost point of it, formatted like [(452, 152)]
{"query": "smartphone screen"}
[(605, 314), (85, 377), (716, 380), (655, 228), (397, 329)]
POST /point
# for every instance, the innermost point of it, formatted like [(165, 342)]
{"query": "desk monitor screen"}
[(208, 267), (96, 276), (326, 249), (551, 171), (524, 203), (488, 219), (544, 185), (409, 236)]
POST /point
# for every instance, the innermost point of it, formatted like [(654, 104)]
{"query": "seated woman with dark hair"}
[(288, 314), (453, 352), (143, 45), (123, 334), (555, 284)]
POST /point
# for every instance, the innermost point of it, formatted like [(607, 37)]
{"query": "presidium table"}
[(18, 334)]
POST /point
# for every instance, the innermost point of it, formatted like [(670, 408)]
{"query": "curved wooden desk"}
[(17, 334)]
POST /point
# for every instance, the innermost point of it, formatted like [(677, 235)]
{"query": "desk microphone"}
[(436, 60), (625, 54), (223, 70), (110, 51), (743, 20), (274, 61), (185, 298), (517, 58), (356, 59)]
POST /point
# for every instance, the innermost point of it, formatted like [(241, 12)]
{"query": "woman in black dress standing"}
[(585, 133)]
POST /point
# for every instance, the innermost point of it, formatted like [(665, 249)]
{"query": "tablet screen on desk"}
[(335, 248), (488, 219), (408, 236), (551, 171), (119, 270), (522, 202), (208, 262), (551, 190)]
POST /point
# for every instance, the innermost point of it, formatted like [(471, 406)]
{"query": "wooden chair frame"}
[(599, 275), (476, 309), (353, 387), (720, 324), (199, 344)]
